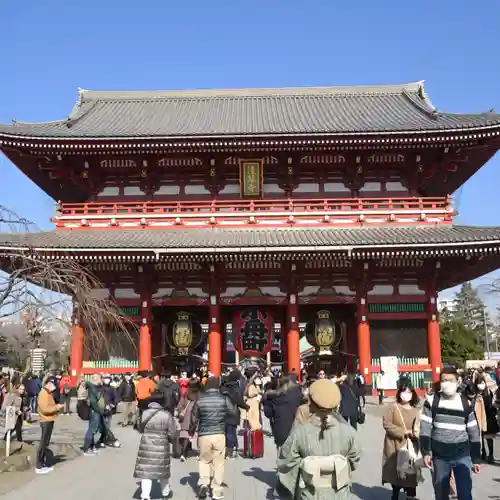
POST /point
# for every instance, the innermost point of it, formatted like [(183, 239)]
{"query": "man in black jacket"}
[(126, 394), (170, 391), (231, 389), (214, 408)]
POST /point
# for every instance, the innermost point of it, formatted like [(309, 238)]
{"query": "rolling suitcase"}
[(253, 443)]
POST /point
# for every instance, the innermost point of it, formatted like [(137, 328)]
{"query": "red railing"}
[(255, 209), (130, 208)]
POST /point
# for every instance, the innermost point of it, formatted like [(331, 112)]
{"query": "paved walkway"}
[(109, 475)]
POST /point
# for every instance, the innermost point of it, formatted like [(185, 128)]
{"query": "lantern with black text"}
[(253, 330), (184, 334), (324, 332)]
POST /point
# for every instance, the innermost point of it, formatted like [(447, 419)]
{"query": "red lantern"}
[(253, 329)]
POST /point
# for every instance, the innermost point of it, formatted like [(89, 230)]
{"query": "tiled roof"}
[(255, 112), (217, 239)]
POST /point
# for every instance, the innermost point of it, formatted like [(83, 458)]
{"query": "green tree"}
[(470, 310), (458, 342)]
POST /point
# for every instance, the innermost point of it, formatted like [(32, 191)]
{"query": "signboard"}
[(10, 418), (251, 176), (389, 380), (253, 328)]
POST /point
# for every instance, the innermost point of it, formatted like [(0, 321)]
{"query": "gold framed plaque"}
[(251, 178)]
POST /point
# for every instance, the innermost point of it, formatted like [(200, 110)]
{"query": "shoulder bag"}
[(409, 458)]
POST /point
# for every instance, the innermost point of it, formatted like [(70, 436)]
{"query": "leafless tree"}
[(48, 289)]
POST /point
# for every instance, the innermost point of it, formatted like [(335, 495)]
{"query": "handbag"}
[(182, 414), (361, 417), (141, 426), (409, 460)]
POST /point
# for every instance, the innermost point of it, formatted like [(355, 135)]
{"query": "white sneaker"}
[(167, 493), (43, 470), (182, 459), (90, 453)]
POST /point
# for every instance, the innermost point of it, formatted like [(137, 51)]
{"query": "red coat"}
[(183, 385)]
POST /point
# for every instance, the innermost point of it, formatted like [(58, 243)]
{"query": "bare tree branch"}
[(53, 287)]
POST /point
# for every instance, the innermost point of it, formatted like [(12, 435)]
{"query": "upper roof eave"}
[(259, 114), (5, 133)]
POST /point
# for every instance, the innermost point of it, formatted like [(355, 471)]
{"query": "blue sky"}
[(52, 47)]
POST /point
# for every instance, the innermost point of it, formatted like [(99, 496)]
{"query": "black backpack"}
[(83, 409)]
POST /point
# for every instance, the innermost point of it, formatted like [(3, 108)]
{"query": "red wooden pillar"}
[(145, 347), (214, 328), (293, 334), (214, 337), (433, 336), (364, 347), (76, 355)]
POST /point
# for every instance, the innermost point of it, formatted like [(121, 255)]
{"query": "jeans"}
[(232, 437), (33, 403), (41, 453), (92, 430), (107, 436), (462, 470)]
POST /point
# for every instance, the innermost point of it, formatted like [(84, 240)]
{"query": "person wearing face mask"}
[(401, 422), (127, 396), (48, 411), (449, 432), (111, 400), (486, 416)]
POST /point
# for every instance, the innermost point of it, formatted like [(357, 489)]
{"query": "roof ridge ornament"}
[(81, 96)]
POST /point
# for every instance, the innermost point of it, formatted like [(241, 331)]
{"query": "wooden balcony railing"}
[(265, 212)]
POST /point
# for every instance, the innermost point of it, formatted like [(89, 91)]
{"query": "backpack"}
[(465, 403), (83, 409)]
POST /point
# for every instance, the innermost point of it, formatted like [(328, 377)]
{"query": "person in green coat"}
[(317, 459)]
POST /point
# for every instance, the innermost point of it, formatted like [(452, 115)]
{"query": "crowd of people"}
[(313, 421)]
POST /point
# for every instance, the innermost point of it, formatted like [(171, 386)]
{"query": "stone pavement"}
[(109, 475)]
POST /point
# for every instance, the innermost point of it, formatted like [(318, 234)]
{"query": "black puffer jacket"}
[(214, 409), (280, 408), (231, 389), (153, 458)]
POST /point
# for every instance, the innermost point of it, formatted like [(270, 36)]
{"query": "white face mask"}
[(449, 388), (481, 386), (406, 396)]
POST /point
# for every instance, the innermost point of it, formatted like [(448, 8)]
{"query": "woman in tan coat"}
[(15, 398), (401, 422), (254, 397)]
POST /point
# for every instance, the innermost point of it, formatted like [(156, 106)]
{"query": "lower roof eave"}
[(403, 250)]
